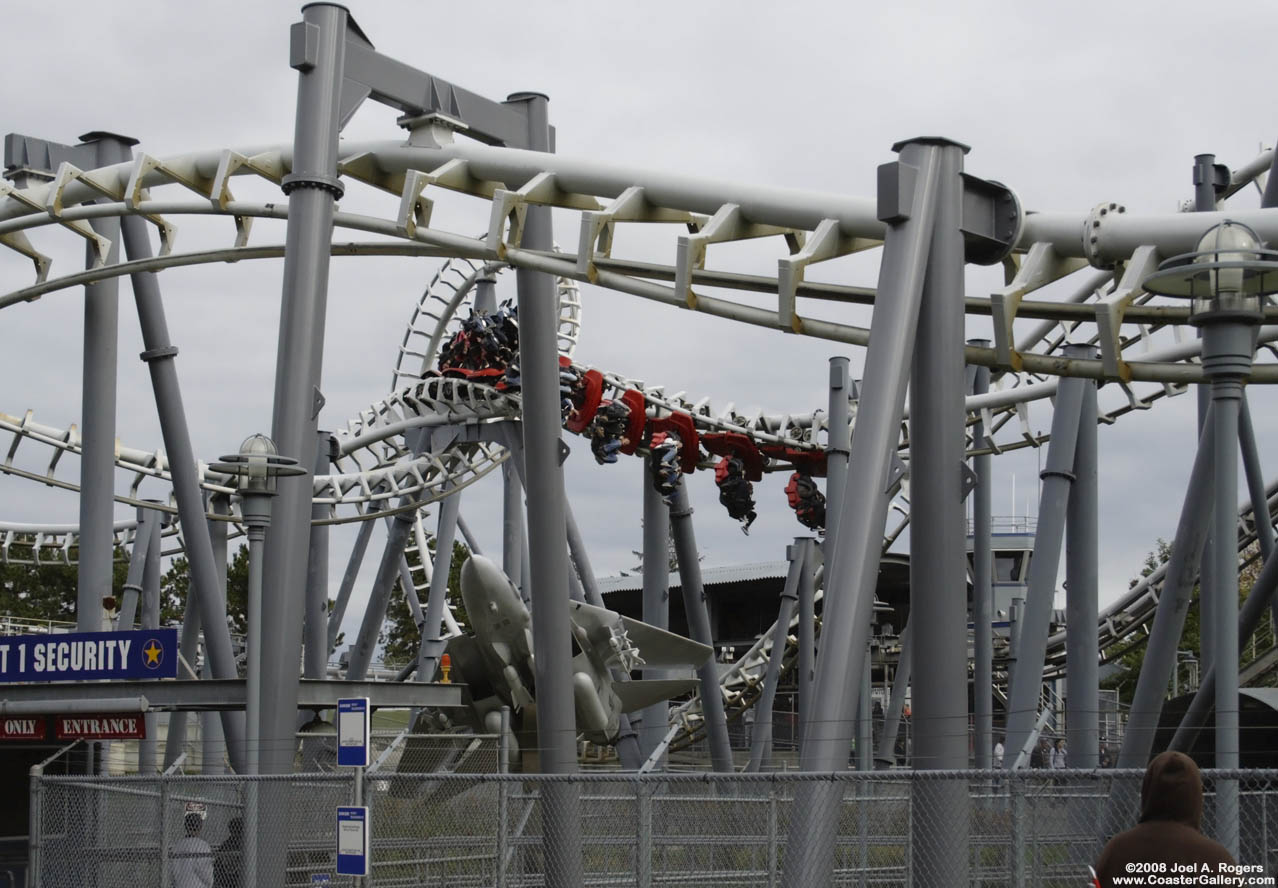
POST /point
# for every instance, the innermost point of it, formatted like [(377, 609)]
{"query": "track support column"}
[(982, 582), (1082, 639), (908, 193), (544, 483), (656, 601)]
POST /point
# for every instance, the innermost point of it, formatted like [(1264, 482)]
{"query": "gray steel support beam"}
[(1057, 478), (349, 576), (1205, 202), (1256, 488), (407, 586), (1259, 599), (886, 757), (656, 600), (486, 293), (628, 751), (865, 718), (137, 565), (315, 628), (433, 640), (472, 541), (938, 538), (838, 445), (910, 211), (150, 620), (212, 741), (544, 482), (982, 583), (761, 736), (361, 652), (97, 411), (512, 525), (805, 661), (317, 52), (205, 588), (1173, 603), (1228, 347), (694, 606), (1082, 588)]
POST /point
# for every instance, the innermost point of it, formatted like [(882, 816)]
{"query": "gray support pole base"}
[(1058, 476), (656, 602), (548, 563), (896, 703), (512, 525), (694, 605), (1082, 587), (858, 546), (982, 584), (761, 739)]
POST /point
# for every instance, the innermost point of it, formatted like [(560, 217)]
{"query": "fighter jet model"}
[(496, 663)]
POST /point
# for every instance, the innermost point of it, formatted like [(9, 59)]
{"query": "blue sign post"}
[(352, 732), (89, 656), (352, 840)]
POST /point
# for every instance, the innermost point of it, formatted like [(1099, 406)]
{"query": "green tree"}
[(1129, 655), (401, 636), (176, 582), (46, 591)]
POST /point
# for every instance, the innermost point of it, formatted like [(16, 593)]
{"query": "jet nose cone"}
[(479, 571)]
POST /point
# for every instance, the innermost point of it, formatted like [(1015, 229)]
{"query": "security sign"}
[(352, 841), (85, 656), (352, 732)]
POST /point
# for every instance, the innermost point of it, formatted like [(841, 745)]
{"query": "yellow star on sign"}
[(153, 652)]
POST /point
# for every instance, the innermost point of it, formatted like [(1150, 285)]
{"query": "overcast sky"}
[(1068, 104)]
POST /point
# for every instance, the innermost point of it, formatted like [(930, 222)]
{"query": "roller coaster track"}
[(376, 473)]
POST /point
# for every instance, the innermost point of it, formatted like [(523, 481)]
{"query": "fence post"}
[(36, 828), (772, 834), (164, 830), (1018, 836), (643, 844), (503, 796), (909, 827)]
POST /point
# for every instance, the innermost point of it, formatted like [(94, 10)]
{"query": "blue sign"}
[(87, 656), (352, 841), (352, 732)]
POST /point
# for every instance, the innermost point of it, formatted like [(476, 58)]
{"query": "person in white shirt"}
[(191, 858), (998, 753), (1058, 754)]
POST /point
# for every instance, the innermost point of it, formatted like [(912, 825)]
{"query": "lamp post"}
[(1226, 279), (257, 468)]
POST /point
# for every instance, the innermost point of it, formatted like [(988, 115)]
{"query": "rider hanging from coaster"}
[(807, 501), (607, 431), (665, 447), (735, 490), (572, 391)]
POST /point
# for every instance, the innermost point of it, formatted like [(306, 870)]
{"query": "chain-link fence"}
[(884, 828)]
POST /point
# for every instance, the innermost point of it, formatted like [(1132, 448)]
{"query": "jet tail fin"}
[(662, 649), (638, 694)]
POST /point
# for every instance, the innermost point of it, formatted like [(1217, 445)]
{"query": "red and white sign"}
[(26, 728), (100, 727)]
